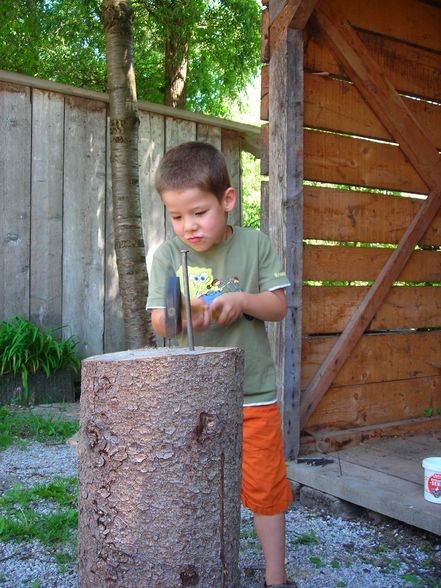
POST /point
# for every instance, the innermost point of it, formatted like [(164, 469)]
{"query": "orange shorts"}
[(265, 488)]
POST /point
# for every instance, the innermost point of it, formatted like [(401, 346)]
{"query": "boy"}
[(236, 283)]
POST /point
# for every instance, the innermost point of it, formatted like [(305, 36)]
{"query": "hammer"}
[(173, 304)]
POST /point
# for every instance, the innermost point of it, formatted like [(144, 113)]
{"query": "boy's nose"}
[(190, 224)]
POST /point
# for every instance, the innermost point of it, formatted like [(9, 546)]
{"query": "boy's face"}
[(199, 219)]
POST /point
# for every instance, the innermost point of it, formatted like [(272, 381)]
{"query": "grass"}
[(19, 427), (46, 512)]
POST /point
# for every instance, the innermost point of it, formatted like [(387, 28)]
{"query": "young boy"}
[(236, 283)]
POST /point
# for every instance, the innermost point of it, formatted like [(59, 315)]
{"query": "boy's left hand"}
[(226, 309)]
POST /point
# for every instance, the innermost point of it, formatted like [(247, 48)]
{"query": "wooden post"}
[(286, 216), (160, 468)]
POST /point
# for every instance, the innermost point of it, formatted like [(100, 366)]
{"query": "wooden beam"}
[(384, 100), (380, 94), (294, 15), (286, 195)]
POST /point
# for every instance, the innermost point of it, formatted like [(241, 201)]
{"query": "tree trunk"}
[(116, 16), (160, 469), (176, 67)]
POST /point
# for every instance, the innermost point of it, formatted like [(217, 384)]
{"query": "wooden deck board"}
[(385, 476)]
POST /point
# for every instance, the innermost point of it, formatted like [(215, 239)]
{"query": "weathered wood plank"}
[(264, 93), (396, 59), (377, 358), (264, 149), (286, 194), (176, 132), (414, 22), (399, 460), (380, 94), (344, 215), (231, 150), (363, 263), (208, 134), (47, 208), (372, 489), (293, 14), (326, 441), (336, 105), (151, 149), (15, 192), (346, 407), (328, 309), (347, 160), (83, 227)]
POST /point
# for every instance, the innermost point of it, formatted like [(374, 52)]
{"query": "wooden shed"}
[(351, 91)]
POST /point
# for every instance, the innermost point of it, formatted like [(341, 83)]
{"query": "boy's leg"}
[(271, 532), (265, 488)]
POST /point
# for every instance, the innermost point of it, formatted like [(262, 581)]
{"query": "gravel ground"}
[(323, 551)]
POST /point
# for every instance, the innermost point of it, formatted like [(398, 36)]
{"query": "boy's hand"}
[(200, 314), (226, 309)]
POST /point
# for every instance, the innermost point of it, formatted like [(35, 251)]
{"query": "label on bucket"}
[(434, 485)]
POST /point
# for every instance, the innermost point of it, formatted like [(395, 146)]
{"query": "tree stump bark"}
[(160, 468)]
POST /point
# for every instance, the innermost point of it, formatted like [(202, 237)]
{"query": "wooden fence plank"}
[(208, 134), (416, 23), (151, 149), (327, 309), (347, 160), (344, 215), (396, 60), (231, 150), (83, 227), (336, 105), (15, 173), (377, 358), (47, 208), (176, 132), (286, 194), (363, 263), (345, 407)]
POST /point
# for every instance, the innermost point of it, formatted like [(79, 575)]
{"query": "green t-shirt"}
[(247, 262)]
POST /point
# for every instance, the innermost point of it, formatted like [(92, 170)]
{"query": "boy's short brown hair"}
[(193, 165)]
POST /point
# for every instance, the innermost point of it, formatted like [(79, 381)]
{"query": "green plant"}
[(18, 426), (307, 539), (26, 349), (21, 520)]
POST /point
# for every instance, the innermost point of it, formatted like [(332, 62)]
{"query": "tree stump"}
[(160, 468)]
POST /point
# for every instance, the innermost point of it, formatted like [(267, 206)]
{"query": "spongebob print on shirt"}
[(203, 284)]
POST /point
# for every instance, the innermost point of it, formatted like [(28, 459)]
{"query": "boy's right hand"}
[(200, 314)]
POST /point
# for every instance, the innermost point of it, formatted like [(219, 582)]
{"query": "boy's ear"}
[(229, 199)]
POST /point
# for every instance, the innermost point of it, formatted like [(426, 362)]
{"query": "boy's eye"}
[(200, 212), (176, 217)]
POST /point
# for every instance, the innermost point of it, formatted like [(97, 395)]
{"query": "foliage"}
[(21, 518), (18, 426), (63, 41), (250, 190), (25, 349)]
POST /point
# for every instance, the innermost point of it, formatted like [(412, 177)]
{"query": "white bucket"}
[(432, 479)]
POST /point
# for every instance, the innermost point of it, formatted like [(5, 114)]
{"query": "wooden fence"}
[(319, 92), (57, 260)]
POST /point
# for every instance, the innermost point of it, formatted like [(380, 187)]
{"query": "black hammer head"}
[(173, 301)]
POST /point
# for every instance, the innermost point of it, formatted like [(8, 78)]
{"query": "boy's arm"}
[(201, 317), (265, 306)]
